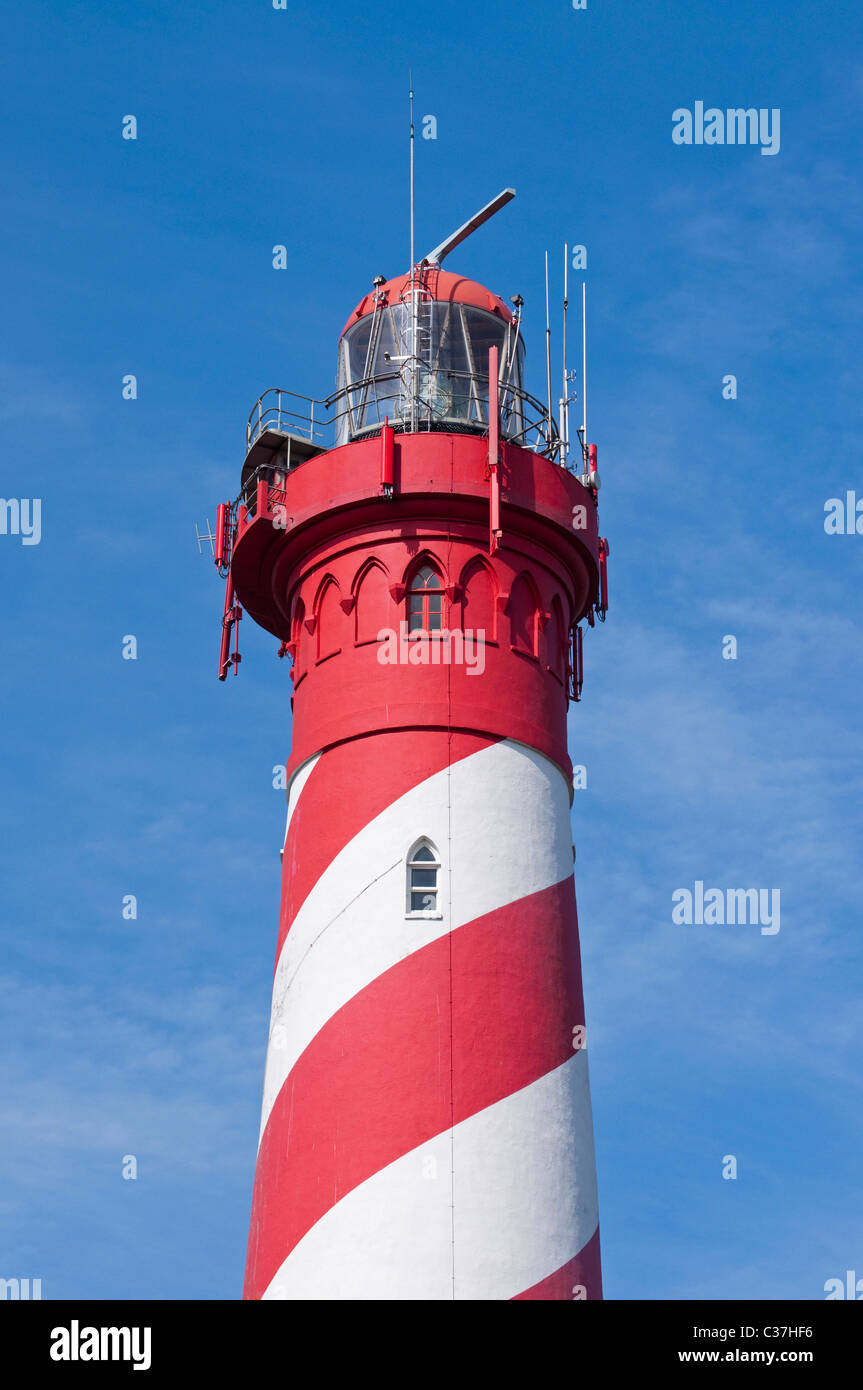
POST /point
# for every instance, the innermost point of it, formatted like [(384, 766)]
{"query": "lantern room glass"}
[(448, 372)]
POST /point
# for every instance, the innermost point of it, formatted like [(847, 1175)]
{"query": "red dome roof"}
[(442, 285)]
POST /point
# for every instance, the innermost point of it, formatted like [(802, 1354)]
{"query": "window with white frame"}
[(423, 881)]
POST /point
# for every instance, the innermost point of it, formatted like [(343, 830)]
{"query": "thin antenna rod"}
[(564, 423), (547, 348), (411, 99), (413, 352), (584, 362)]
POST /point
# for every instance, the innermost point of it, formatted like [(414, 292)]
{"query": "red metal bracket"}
[(230, 620), (494, 527), (575, 668), (223, 549), (222, 542), (388, 469), (602, 605)]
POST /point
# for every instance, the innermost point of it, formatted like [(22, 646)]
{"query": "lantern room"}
[(415, 351)]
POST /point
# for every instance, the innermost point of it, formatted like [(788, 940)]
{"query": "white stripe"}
[(500, 820), (297, 782), (524, 1180)]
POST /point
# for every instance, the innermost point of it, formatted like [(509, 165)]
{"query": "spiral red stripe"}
[(445, 1040), (412, 1055), (325, 820), (579, 1278)]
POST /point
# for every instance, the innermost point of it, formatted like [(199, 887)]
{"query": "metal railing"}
[(363, 406), (270, 473), (274, 410)]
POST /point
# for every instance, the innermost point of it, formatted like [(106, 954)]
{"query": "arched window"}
[(423, 885), (425, 601)]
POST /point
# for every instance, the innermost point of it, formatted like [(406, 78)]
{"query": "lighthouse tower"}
[(424, 553)]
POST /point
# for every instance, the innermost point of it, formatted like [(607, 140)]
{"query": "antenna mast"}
[(411, 100), (584, 366), (413, 351), (547, 350), (564, 400)]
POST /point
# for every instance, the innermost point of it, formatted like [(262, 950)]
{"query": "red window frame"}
[(425, 585)]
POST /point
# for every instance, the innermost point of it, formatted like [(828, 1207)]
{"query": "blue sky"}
[(153, 257)]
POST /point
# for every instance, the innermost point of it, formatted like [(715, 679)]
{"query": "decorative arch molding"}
[(298, 613), (371, 601), (479, 595), (417, 562), (557, 640), (523, 608), (296, 647), (324, 584), (373, 562), (328, 618)]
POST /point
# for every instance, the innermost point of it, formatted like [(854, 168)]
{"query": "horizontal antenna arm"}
[(437, 255)]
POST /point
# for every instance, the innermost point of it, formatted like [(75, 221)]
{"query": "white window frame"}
[(430, 914)]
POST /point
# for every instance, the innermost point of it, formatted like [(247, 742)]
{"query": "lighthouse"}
[(426, 554)]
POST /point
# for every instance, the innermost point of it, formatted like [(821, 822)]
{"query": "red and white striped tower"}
[(426, 1129)]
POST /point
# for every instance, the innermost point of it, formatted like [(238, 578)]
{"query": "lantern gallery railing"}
[(285, 413), (445, 400)]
